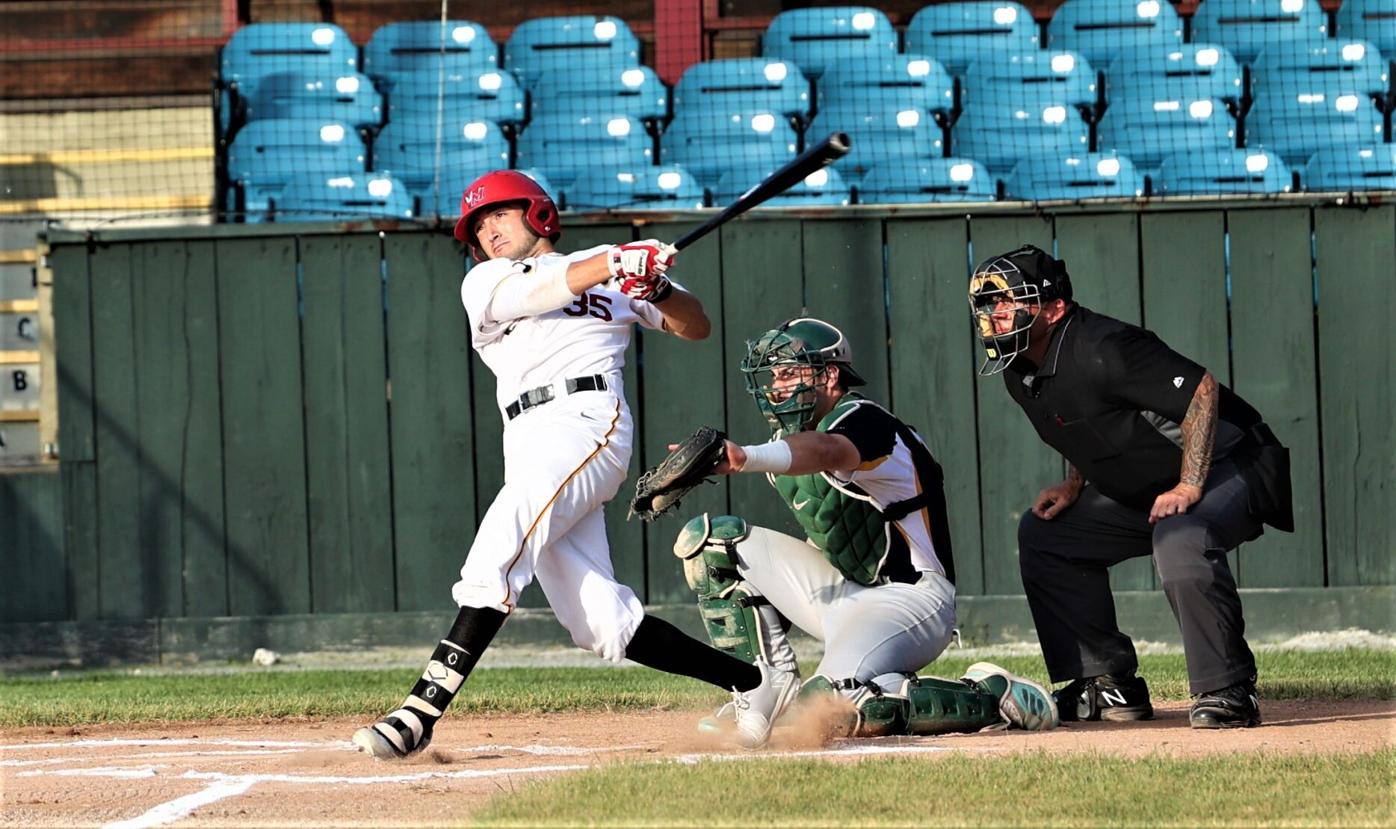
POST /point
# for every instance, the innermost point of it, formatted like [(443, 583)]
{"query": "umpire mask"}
[(1016, 284)]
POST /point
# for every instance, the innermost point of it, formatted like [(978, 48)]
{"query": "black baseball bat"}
[(819, 156)]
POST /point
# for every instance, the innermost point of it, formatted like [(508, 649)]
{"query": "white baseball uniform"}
[(563, 459)]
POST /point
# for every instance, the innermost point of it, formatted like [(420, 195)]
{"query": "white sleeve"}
[(500, 291), (476, 292), (648, 312)]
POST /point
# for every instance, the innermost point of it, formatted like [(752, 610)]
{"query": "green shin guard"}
[(873, 713), (738, 620), (946, 706), (924, 706)]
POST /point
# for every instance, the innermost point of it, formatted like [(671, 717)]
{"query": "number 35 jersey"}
[(588, 336)]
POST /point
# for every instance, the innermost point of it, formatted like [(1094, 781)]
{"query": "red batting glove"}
[(649, 290), (639, 260)]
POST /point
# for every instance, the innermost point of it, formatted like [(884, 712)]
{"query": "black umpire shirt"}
[(1110, 397)]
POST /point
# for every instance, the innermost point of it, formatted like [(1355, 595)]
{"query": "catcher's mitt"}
[(661, 488)]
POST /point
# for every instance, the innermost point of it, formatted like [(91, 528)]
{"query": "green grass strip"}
[(82, 698), (958, 790)]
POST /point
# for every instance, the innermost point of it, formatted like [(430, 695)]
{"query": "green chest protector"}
[(851, 532)]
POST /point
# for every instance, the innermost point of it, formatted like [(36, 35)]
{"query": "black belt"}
[(543, 394)]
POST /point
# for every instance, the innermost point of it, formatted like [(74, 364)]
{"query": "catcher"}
[(874, 581)]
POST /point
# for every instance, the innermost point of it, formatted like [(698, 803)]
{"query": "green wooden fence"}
[(290, 420)]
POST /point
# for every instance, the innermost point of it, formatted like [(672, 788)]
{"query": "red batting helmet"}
[(501, 187)]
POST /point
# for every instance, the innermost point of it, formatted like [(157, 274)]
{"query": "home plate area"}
[(307, 771)]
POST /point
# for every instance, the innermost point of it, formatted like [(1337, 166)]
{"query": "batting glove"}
[(649, 290), (645, 260)]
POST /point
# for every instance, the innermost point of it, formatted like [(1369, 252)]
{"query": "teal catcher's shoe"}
[(1022, 702)]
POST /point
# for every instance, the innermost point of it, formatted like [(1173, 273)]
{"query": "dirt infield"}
[(306, 772)]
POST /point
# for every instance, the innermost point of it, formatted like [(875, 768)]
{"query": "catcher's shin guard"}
[(945, 706), (872, 712), (739, 620)]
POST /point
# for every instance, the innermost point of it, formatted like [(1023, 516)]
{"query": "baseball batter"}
[(554, 328), (875, 579)]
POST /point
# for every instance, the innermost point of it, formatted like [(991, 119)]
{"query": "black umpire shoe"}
[(1108, 697), (1235, 706)]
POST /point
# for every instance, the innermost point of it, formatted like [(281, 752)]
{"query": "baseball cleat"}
[(1113, 698), (394, 737), (1022, 702), (1235, 706), (756, 710), (721, 720)]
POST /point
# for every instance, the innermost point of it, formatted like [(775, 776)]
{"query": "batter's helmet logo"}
[(475, 196)]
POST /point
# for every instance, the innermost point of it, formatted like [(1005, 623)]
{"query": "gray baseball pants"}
[(1065, 567)]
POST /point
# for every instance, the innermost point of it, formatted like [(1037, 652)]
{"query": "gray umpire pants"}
[(1065, 564)]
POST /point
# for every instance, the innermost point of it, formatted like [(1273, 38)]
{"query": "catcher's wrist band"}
[(773, 457)]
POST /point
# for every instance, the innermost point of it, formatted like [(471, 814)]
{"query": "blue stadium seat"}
[(262, 49), (1045, 77), (319, 197), (998, 136), (960, 33), (551, 45), (628, 90), (1352, 168), (1200, 172), (1371, 20), (1192, 71), (265, 155), (348, 97), (1334, 65), (930, 180), (1245, 27), (1103, 30), (822, 187), (460, 47), (1085, 176), (880, 134), (1295, 126), (819, 39), (406, 149), (474, 96), (564, 146), (743, 85), (913, 81), (538, 177), (1149, 130), (706, 144), (666, 187)]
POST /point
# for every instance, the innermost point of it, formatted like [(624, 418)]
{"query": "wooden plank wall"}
[(264, 425)]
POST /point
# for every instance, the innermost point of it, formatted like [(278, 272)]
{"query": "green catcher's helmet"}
[(803, 341)]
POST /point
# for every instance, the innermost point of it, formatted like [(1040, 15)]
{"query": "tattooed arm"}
[(1054, 499), (1199, 429)]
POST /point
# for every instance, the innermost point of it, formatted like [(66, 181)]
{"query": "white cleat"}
[(391, 739), (1022, 702), (723, 719), (756, 710)]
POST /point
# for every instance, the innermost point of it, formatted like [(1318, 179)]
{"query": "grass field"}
[(1028, 790), (86, 698), (1035, 787)]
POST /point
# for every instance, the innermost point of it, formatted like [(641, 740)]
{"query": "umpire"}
[(1162, 460)]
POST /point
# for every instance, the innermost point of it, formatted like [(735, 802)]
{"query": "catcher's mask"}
[(1025, 278), (802, 343)]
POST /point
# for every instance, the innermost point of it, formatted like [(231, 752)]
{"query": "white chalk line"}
[(291, 746), (54, 761), (176, 741), (224, 785), (180, 807)]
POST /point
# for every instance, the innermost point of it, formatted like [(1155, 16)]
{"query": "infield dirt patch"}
[(289, 772)]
